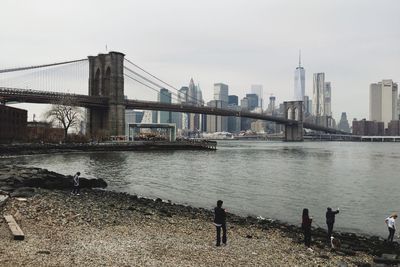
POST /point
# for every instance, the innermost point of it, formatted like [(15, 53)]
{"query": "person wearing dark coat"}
[(330, 221), (220, 222), (306, 226)]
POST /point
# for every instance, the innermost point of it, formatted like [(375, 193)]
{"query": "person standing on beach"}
[(76, 188), (220, 222), (391, 223), (306, 226), (330, 221)]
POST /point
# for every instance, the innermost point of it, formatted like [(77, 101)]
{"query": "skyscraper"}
[(164, 96), (344, 123), (318, 94), (383, 101), (221, 92), (327, 99), (299, 82), (253, 101), (221, 97), (271, 105), (258, 90), (233, 100)]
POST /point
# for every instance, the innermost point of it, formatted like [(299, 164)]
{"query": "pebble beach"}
[(104, 228)]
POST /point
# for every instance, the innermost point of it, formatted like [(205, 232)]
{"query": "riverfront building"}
[(13, 123), (370, 128), (393, 128), (383, 98)]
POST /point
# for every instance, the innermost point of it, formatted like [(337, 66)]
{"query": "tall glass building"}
[(318, 94), (258, 90), (164, 96), (299, 82)]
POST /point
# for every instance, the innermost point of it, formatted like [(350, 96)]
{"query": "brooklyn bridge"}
[(106, 101)]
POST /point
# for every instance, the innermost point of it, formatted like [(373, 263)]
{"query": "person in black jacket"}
[(330, 220), (306, 226), (220, 222)]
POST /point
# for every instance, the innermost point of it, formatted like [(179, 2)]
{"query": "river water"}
[(272, 179)]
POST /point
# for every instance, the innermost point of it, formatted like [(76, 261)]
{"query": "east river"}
[(272, 179)]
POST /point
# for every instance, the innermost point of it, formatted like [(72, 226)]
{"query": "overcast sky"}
[(355, 42)]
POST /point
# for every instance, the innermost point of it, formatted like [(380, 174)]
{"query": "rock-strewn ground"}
[(101, 228)]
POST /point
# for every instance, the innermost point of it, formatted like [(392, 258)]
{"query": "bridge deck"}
[(35, 96)]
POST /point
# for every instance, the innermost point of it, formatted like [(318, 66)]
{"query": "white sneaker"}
[(78, 194), (310, 249)]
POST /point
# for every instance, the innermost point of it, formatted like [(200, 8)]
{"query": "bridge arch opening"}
[(289, 114), (296, 114)]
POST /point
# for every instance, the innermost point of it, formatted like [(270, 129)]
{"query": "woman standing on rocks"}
[(306, 226), (75, 190), (220, 222)]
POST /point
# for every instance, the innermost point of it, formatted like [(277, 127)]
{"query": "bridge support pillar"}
[(106, 78), (294, 111)]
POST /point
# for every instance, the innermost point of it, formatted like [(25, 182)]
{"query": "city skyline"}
[(353, 51)]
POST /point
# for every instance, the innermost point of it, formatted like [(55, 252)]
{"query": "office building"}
[(383, 98), (307, 105), (233, 100), (216, 123), (253, 101), (318, 94), (299, 82), (394, 128), (13, 123), (221, 100), (344, 123), (221, 93), (271, 105), (258, 90), (327, 99), (369, 128), (164, 96)]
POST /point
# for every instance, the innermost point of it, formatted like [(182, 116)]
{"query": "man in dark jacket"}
[(220, 222), (330, 220)]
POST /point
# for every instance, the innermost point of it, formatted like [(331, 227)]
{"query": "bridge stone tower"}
[(294, 111), (106, 78)]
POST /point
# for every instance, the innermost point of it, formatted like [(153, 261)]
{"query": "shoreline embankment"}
[(48, 148)]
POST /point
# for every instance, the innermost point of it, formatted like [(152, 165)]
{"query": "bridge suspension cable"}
[(196, 100), (150, 87), (68, 76), (40, 66)]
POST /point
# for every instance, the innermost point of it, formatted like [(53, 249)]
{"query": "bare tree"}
[(65, 113)]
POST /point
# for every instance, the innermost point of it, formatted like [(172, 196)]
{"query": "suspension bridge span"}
[(106, 104)]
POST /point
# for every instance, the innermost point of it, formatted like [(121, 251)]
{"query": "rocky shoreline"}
[(105, 216)]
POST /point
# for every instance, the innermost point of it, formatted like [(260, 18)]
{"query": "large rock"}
[(19, 178)]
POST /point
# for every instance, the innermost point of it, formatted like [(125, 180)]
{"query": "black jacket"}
[(219, 215), (330, 216)]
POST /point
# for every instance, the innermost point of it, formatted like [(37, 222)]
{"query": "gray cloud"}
[(236, 42)]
